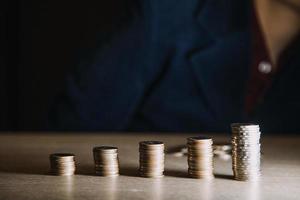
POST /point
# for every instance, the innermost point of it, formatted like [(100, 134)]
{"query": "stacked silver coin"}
[(246, 151), (62, 164), (152, 159), (200, 157), (106, 160)]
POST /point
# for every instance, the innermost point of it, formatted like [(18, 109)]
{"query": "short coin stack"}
[(245, 151), (62, 164), (106, 160), (200, 157), (152, 159)]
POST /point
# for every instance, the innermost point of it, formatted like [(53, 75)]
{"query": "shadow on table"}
[(176, 173), (86, 170), (129, 171), (184, 174), (224, 176), (133, 172)]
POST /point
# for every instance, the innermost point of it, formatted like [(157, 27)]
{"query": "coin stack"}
[(245, 151), (152, 159), (62, 164), (106, 160), (200, 157)]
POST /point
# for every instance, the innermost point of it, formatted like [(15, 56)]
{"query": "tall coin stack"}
[(152, 159), (245, 151), (200, 157), (106, 160), (62, 164)]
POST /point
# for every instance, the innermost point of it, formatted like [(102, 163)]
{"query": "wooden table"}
[(24, 166)]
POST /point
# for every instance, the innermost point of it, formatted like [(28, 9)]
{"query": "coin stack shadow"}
[(152, 158), (245, 151), (106, 160), (200, 157), (62, 164)]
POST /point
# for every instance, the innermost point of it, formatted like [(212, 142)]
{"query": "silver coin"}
[(246, 151)]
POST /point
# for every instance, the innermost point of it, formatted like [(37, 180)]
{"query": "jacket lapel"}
[(221, 69)]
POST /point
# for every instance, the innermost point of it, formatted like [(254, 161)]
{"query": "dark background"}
[(39, 44)]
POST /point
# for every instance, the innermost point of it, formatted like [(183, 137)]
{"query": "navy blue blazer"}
[(176, 66)]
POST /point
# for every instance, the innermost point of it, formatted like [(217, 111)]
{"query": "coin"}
[(62, 164), (246, 151), (106, 160), (200, 157), (152, 158)]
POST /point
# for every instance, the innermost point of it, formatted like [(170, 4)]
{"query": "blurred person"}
[(186, 66)]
